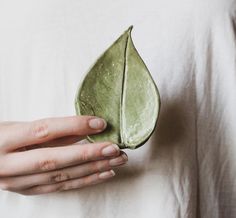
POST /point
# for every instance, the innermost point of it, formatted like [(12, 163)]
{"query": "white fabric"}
[(188, 168)]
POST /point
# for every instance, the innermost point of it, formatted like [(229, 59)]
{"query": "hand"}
[(41, 156)]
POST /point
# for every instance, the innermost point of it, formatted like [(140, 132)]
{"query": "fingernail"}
[(97, 123), (106, 174), (119, 160), (110, 150)]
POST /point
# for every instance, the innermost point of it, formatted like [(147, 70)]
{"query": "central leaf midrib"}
[(122, 90)]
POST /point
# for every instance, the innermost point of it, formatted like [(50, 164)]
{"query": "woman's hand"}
[(41, 156)]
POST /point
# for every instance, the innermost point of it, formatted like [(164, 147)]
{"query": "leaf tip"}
[(130, 29)]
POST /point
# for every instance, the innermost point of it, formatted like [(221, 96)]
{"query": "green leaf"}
[(120, 89)]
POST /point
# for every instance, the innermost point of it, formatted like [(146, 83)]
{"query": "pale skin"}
[(44, 156)]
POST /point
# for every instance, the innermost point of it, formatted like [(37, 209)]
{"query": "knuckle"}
[(100, 166), (59, 177), (58, 187), (85, 155), (39, 129), (78, 183), (90, 180), (46, 165), (36, 190), (65, 186)]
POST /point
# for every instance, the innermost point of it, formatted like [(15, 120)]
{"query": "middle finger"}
[(48, 159)]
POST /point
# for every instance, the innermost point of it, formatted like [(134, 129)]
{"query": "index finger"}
[(14, 136)]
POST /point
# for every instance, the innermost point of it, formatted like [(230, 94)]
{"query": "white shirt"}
[(187, 169)]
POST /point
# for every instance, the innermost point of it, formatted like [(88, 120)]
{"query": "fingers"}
[(21, 134), (70, 184), (48, 159), (79, 171)]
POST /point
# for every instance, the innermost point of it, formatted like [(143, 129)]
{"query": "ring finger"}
[(70, 184), (51, 177)]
